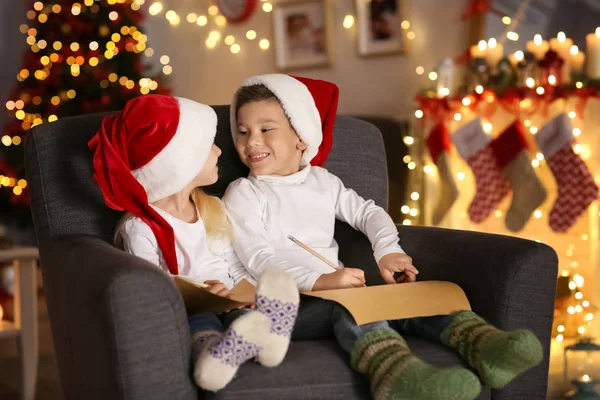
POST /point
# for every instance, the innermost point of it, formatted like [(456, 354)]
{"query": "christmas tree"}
[(84, 57)]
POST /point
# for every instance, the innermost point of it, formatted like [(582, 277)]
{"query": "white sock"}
[(278, 298), (221, 356)]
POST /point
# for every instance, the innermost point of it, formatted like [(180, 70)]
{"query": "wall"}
[(379, 86)]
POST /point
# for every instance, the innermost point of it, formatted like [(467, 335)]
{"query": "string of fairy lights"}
[(580, 313), (216, 27), (40, 13), (217, 23)]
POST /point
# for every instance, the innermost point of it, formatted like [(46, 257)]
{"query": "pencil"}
[(314, 253)]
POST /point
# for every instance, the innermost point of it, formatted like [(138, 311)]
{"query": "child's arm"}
[(379, 227), (250, 238), (237, 271), (140, 242)]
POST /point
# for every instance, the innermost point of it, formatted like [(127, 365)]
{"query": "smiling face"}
[(266, 142)]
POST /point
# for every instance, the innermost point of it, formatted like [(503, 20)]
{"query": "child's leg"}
[(264, 333), (277, 298), (221, 354), (347, 332), (314, 319), (203, 327), (426, 327), (394, 372), (228, 318), (498, 356)]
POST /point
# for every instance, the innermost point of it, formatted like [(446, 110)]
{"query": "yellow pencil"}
[(314, 253)]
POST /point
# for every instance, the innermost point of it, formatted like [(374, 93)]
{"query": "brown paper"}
[(405, 300), (366, 304), (197, 299)]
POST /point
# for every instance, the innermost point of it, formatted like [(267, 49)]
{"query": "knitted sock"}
[(439, 143), (576, 186), (448, 190), (219, 356), (510, 150), (200, 340), (528, 192), (498, 356), (491, 186), (278, 298), (396, 374)]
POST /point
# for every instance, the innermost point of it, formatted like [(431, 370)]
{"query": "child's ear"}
[(301, 145)]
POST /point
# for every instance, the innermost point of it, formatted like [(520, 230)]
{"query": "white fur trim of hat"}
[(297, 103), (182, 159)]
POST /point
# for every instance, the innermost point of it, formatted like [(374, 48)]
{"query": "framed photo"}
[(302, 34), (379, 24)]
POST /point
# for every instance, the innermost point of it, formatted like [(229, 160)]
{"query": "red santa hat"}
[(150, 150), (311, 107)]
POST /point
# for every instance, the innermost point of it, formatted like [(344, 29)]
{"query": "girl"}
[(150, 160)]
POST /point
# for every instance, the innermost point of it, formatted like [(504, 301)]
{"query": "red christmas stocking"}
[(473, 145), (528, 193), (576, 186), (438, 143)]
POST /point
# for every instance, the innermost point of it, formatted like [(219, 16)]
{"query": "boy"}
[(281, 125)]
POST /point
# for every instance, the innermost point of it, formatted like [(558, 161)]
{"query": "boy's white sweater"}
[(264, 210)]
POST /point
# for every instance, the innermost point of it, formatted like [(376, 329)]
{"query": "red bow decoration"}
[(551, 60), (584, 95), (464, 57), (433, 108), (475, 7), (513, 102)]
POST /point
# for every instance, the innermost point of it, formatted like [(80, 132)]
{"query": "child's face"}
[(210, 172), (266, 142)]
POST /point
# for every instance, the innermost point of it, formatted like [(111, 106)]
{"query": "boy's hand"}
[(342, 279), (397, 262), (216, 287)]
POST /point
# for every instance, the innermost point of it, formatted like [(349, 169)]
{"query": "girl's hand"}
[(393, 263), (216, 287)]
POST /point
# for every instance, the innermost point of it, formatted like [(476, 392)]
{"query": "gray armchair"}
[(119, 324)]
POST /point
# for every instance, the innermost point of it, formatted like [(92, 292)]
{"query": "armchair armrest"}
[(119, 324), (509, 281)]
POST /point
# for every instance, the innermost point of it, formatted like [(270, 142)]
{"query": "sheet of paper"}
[(406, 300), (366, 304), (244, 292), (198, 299)]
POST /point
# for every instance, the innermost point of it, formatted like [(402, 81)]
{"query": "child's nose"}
[(254, 139), (218, 150)]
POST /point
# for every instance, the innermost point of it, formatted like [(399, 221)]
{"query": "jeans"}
[(207, 321), (321, 319)]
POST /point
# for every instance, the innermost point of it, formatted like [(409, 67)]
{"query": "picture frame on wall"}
[(379, 28), (302, 34)]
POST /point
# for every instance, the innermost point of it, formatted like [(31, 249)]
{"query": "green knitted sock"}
[(498, 356), (396, 374)]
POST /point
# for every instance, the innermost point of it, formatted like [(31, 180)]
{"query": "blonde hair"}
[(211, 211)]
